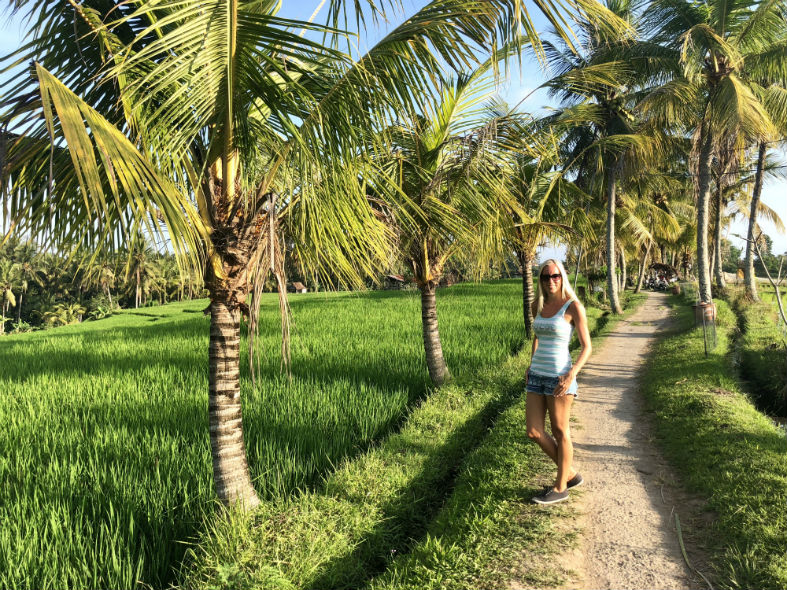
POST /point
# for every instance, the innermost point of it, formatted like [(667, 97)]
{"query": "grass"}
[(104, 447), (762, 352), (725, 451), (489, 531), (439, 504)]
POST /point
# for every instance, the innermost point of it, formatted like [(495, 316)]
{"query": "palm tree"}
[(27, 272), (595, 85), (142, 271), (446, 166), (223, 107), (725, 55), (62, 314), (775, 101), (549, 207)]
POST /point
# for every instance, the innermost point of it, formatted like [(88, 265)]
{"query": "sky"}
[(520, 85)]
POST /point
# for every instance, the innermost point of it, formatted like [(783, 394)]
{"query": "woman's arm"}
[(532, 354), (583, 334), (580, 321)]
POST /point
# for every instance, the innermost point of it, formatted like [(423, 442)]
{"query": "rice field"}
[(104, 449)]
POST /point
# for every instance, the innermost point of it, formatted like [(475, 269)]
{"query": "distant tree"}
[(102, 275), (445, 163), (63, 314), (9, 276), (768, 259), (731, 256)]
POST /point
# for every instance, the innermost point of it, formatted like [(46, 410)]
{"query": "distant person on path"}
[(551, 377)]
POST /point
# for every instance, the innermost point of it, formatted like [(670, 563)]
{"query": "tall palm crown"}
[(723, 61), (596, 86), (447, 164)]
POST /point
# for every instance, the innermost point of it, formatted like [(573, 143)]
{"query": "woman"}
[(551, 377)]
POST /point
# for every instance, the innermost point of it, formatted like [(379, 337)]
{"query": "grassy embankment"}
[(762, 350), (724, 449), (443, 503), (104, 451)]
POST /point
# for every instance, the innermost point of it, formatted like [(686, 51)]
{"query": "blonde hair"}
[(566, 292)]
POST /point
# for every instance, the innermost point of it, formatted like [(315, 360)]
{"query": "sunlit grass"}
[(104, 450), (725, 451)]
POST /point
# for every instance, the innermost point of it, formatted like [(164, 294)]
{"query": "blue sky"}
[(517, 87)]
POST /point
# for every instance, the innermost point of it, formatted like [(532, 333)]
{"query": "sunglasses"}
[(553, 277)]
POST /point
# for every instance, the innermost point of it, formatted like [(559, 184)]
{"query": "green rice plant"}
[(378, 508), (104, 449)]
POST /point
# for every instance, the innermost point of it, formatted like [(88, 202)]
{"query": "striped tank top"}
[(554, 333)]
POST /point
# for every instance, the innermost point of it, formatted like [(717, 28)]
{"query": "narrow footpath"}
[(627, 504)]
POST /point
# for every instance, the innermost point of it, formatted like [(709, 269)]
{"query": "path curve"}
[(629, 538)]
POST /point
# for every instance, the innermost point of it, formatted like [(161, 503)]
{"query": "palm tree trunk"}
[(576, 271), (642, 266), (526, 260), (718, 266), (748, 265), (623, 270), (230, 468), (612, 279), (438, 370), (137, 294), (2, 324), (703, 204), (19, 308)]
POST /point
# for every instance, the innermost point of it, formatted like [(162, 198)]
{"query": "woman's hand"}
[(563, 383)]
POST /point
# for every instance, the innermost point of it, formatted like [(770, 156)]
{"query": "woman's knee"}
[(534, 433), (561, 435)]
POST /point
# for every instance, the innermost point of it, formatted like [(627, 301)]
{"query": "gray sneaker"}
[(550, 496), (575, 481)]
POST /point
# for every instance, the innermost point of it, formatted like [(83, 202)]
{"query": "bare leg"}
[(559, 414), (536, 411)]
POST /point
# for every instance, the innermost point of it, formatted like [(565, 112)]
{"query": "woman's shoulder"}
[(575, 306)]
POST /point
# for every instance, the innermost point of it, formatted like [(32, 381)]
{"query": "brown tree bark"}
[(703, 206), (526, 261), (612, 278), (749, 278), (642, 267), (435, 362), (623, 271), (230, 468), (718, 270)]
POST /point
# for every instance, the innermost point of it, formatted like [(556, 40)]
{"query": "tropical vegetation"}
[(214, 153)]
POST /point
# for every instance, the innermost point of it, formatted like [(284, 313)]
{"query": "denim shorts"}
[(545, 385)]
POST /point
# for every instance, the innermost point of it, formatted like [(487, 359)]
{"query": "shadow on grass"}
[(406, 517)]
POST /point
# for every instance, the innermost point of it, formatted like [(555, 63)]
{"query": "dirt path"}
[(629, 538)]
